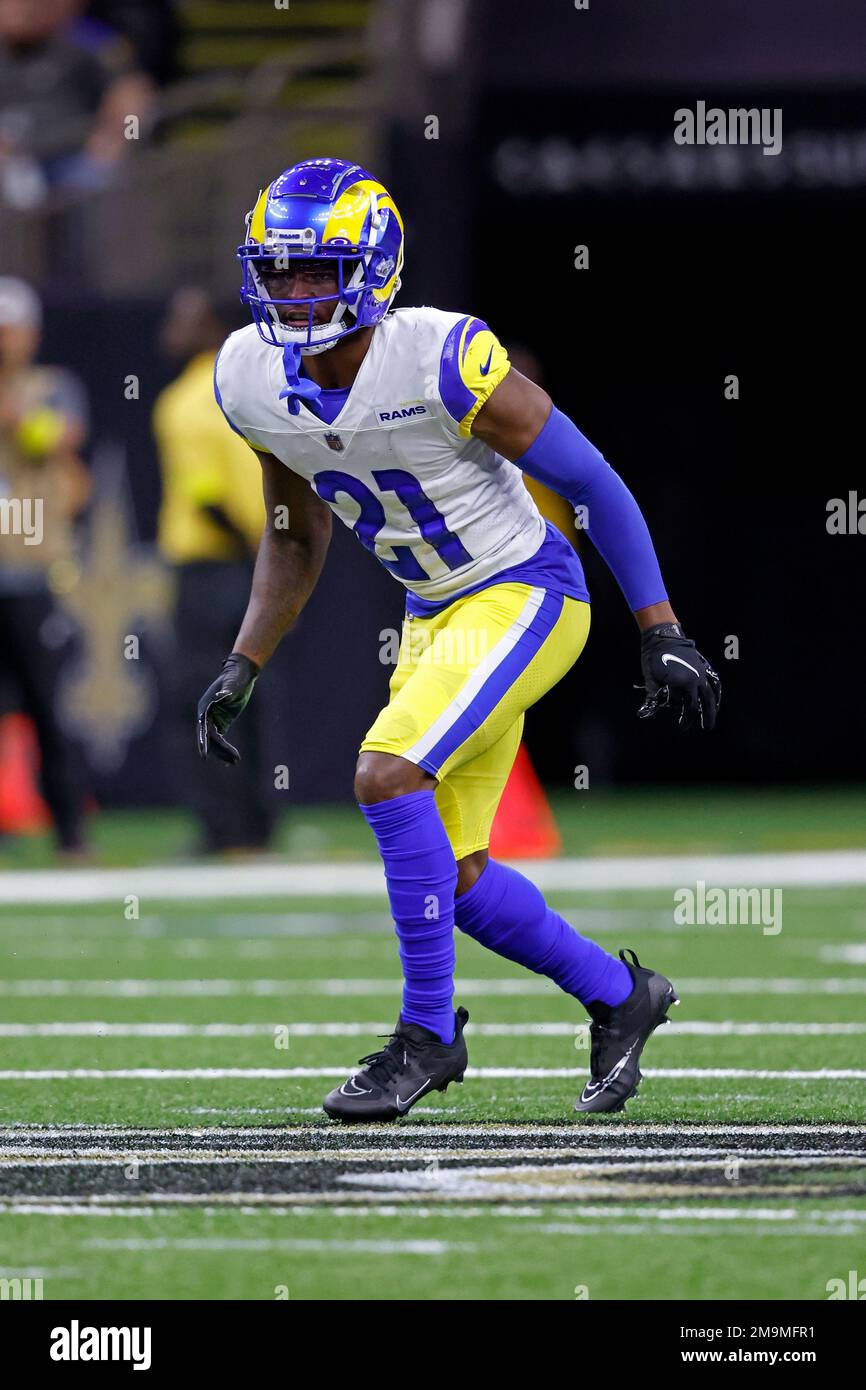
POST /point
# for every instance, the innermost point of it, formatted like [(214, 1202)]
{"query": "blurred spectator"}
[(149, 26), (210, 523), (43, 487), (62, 107)]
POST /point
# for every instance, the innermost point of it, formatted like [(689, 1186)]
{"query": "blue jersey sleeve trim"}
[(566, 461), (457, 399)]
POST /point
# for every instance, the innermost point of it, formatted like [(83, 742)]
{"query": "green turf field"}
[(161, 1078), (676, 820)]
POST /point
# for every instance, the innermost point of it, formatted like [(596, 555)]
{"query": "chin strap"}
[(297, 388)]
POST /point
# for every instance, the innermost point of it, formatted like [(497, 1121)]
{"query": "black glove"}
[(677, 677), (221, 704)]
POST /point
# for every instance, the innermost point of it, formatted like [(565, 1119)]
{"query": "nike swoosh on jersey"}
[(486, 368)]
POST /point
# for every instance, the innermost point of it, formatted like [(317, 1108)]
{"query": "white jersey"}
[(440, 509)]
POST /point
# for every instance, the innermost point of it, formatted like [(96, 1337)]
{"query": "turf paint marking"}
[(556, 1182), (646, 1175)]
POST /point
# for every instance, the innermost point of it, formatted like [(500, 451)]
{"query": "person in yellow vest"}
[(44, 486), (210, 522)]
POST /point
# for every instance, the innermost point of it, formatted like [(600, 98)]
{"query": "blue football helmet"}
[(328, 209)]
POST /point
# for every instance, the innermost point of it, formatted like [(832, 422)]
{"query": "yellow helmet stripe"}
[(347, 219), (257, 219), (350, 209)]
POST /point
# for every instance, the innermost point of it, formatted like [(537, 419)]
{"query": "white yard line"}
[(478, 1073), (774, 985), (844, 955), (704, 1213), (57, 987), (97, 1029), (566, 1162), (404, 1207), (424, 1130), (632, 1228), (247, 1204), (364, 879), (216, 1244), (449, 1212), (400, 1152), (266, 932), (279, 1204)]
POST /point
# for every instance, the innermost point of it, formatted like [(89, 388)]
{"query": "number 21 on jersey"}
[(430, 522)]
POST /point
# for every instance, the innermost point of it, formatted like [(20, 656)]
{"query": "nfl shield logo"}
[(334, 442)]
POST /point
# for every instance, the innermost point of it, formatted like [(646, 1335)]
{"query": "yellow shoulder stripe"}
[(482, 368)]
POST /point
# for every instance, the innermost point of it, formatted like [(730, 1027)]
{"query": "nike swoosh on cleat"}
[(669, 656), (486, 368), (357, 1091), (404, 1104), (594, 1088)]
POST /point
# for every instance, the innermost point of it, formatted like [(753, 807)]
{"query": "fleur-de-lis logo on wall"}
[(106, 697)]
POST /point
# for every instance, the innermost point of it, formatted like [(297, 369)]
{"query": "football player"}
[(413, 428)]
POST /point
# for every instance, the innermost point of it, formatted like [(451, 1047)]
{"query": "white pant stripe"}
[(463, 699)]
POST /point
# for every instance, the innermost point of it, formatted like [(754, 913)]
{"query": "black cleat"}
[(413, 1062), (618, 1038)]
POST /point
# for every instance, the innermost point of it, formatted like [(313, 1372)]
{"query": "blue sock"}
[(421, 874), (508, 915)]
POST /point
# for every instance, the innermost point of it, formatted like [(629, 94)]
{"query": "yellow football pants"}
[(462, 682)]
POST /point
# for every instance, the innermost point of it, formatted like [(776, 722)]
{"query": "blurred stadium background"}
[(547, 136), (133, 139)]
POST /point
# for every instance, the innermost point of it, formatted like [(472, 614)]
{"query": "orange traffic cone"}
[(523, 827), (22, 810)]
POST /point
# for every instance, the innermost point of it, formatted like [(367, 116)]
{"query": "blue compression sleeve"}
[(563, 459), (507, 914), (421, 875)]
